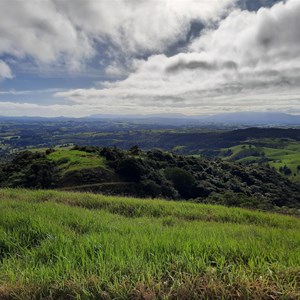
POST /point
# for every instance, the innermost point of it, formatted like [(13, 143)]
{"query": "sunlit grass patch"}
[(71, 160), (58, 245)]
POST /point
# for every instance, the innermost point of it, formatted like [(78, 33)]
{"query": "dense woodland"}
[(152, 173)]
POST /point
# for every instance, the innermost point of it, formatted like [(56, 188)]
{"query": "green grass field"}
[(56, 245), (76, 160), (286, 154), (289, 156)]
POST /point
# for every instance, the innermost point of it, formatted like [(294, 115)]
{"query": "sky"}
[(196, 57)]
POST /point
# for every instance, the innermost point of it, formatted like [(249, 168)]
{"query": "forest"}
[(154, 174)]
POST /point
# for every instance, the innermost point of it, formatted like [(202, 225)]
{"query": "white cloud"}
[(33, 110), (39, 30), (5, 71), (270, 36), (136, 26), (250, 62), (63, 32)]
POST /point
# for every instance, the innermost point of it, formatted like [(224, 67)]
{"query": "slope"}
[(58, 245), (151, 174)]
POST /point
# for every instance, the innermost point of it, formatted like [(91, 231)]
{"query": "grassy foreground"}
[(56, 245)]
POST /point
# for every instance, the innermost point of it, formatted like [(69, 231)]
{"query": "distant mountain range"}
[(256, 118), (237, 118), (244, 118), (149, 116)]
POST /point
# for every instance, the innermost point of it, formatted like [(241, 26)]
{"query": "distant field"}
[(279, 155), (56, 245), (289, 156)]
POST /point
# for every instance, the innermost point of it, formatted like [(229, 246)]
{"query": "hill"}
[(56, 245), (151, 174), (256, 118), (188, 139), (284, 155)]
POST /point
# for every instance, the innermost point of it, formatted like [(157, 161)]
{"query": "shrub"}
[(183, 181)]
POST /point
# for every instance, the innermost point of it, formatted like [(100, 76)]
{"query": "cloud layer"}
[(5, 71), (63, 31), (251, 61), (241, 61)]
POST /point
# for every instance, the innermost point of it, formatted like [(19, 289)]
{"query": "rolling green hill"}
[(278, 154), (56, 245), (155, 173)]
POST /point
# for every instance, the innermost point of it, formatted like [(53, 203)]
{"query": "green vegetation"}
[(153, 174), (191, 139), (279, 154), (61, 245), (56, 245), (288, 156), (70, 160)]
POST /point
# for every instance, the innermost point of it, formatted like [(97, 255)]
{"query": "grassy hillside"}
[(155, 174), (58, 245), (276, 154), (71, 160), (288, 156)]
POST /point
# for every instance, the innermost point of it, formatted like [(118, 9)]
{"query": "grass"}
[(59, 245), (289, 156), (76, 160), (280, 155)]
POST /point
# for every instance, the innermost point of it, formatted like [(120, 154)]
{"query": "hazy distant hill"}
[(162, 115), (242, 118), (257, 118), (177, 119)]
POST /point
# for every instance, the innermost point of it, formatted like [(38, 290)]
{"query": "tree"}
[(150, 188), (287, 171), (131, 169), (135, 150), (183, 181)]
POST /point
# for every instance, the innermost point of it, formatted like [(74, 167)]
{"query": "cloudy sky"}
[(83, 57)]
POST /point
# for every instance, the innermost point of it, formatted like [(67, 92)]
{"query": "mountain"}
[(177, 119), (242, 118), (149, 116), (256, 118)]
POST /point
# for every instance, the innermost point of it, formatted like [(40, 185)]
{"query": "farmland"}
[(277, 154)]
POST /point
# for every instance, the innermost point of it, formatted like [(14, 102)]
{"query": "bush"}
[(131, 169), (183, 181), (150, 189)]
